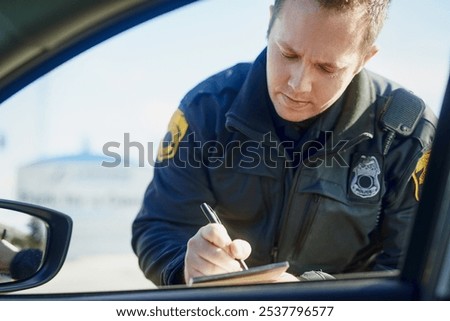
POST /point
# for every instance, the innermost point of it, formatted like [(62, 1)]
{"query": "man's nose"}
[(300, 79)]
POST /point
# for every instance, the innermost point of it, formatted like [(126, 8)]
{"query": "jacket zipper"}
[(306, 223), (280, 222)]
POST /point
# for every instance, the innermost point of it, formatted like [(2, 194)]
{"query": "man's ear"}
[(271, 9), (373, 50), (370, 53)]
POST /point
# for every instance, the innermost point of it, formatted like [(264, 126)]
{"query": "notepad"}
[(261, 274)]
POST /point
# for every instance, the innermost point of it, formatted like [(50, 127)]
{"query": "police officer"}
[(296, 154)]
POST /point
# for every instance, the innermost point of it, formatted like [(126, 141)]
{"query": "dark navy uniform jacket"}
[(332, 202)]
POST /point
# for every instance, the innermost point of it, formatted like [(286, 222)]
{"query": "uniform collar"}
[(349, 117), (250, 111), (358, 112)]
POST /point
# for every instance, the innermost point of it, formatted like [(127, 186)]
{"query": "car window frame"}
[(430, 236), (92, 35)]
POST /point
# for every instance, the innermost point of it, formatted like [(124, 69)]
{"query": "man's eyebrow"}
[(325, 64), (285, 45), (329, 65)]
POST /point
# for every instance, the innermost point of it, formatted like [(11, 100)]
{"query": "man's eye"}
[(326, 69), (288, 55)]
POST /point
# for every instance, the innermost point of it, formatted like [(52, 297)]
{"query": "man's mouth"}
[(294, 102)]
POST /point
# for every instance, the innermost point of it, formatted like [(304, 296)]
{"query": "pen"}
[(213, 218)]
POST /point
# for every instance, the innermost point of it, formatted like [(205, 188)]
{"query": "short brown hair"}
[(376, 13)]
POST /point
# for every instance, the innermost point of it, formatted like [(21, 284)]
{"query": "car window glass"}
[(119, 97), (443, 287)]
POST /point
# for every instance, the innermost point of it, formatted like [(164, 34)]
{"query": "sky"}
[(132, 83)]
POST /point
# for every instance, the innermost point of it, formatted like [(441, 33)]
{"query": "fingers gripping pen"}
[(213, 218)]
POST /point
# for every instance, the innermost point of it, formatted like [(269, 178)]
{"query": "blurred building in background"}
[(102, 201)]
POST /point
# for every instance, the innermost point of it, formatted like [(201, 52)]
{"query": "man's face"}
[(312, 55)]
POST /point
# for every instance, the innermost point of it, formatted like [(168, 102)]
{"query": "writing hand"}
[(211, 251)]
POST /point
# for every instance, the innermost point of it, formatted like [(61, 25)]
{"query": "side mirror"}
[(34, 241)]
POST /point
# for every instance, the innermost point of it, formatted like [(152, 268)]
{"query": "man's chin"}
[(294, 116)]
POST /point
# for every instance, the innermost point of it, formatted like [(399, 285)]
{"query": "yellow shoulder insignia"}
[(419, 174), (177, 129)]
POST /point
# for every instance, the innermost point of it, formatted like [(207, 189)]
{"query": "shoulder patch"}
[(419, 173), (178, 127)]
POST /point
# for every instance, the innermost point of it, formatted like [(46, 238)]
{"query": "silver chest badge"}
[(365, 182)]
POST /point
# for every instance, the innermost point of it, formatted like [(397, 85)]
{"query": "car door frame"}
[(419, 279)]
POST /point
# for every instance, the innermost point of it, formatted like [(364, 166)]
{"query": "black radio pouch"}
[(400, 115)]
